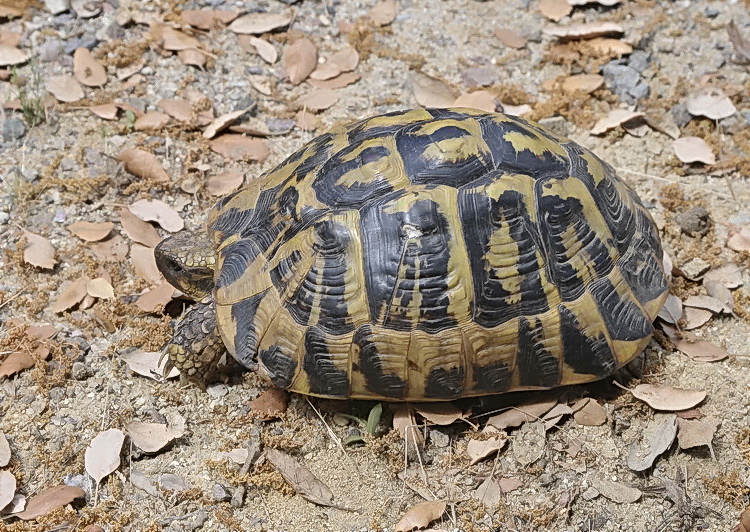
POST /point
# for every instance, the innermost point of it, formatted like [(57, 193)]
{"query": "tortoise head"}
[(187, 260)]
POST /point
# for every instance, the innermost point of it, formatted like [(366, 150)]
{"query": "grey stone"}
[(440, 439), (80, 371), (711, 12), (169, 481), (680, 114), (115, 31), (545, 479), (50, 51), (4, 217), (85, 41), (590, 494), (217, 390), (556, 124), (639, 60), (478, 77), (625, 81), (746, 115), (280, 126), (59, 216), (13, 129), (220, 494)]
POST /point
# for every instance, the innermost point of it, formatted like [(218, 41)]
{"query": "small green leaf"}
[(373, 419), (350, 440)]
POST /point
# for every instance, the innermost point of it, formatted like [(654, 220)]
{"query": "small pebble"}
[(340, 420), (695, 221), (591, 493), (80, 371), (13, 129), (694, 268), (440, 439), (220, 494)]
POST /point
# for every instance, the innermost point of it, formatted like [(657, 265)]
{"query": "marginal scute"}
[(432, 254)]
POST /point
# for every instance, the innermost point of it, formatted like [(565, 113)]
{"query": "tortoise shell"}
[(433, 254)]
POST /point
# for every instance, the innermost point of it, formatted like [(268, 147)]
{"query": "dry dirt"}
[(62, 171)]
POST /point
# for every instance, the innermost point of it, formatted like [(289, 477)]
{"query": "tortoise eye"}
[(175, 266)]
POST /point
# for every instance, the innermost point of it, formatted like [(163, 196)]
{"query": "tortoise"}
[(422, 255)]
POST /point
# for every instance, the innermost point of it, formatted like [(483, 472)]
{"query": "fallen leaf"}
[(740, 43), (552, 417), (701, 351), (693, 413), (174, 40), (10, 55), (257, 23), (614, 118), (144, 264), (270, 404), (383, 13), (555, 9), (439, 413), (340, 81), (420, 515), (693, 150), (86, 8), (208, 19), (697, 433), (478, 450), (137, 229), (325, 71), (87, 69), (154, 300), (711, 103), (300, 59), (7, 488), (510, 38), (16, 362), (508, 484), (159, 212), (488, 493), (672, 309), (657, 437), (91, 231), (4, 453), (239, 147), (587, 30), (589, 413), (181, 110), (107, 111), (515, 110), (148, 364), (740, 241), (709, 303), (192, 57), (258, 127), (71, 296), (666, 397), (405, 424), (65, 88), (265, 49), (151, 120), (38, 251), (224, 183), (319, 99), (102, 455), (300, 478), (523, 413), (222, 122), (151, 437), (529, 443), (729, 275), (479, 99), (695, 317), (48, 500), (614, 47), (142, 164), (720, 292), (11, 38), (584, 83), (615, 491), (346, 59), (429, 91), (306, 121), (100, 288)]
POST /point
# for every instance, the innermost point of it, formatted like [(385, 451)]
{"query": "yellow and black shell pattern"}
[(433, 254)]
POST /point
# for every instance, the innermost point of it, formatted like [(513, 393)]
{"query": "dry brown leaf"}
[(695, 317), (224, 183), (144, 264), (4, 453), (143, 164), (71, 296), (657, 437), (300, 59), (510, 38), (300, 478), (740, 43), (91, 231), (15, 362), (257, 23), (720, 292), (697, 432), (111, 250), (107, 111), (672, 309), (240, 147), (693, 150), (159, 212), (39, 251), (729, 275), (554, 416), (702, 351), (421, 515), (181, 110), (270, 404), (668, 398), (589, 413), (87, 69), (740, 241), (508, 484), (325, 71), (478, 450), (256, 127), (405, 424), (265, 49), (439, 413), (48, 500), (709, 303), (154, 300), (306, 121), (222, 122), (100, 288), (151, 437), (614, 118), (615, 491), (10, 55), (429, 91), (102, 455), (488, 493), (555, 9), (208, 19), (340, 81), (137, 229), (10, 38), (7, 488), (604, 46), (585, 83), (480, 99), (65, 88), (515, 110), (319, 100), (346, 59), (174, 40), (711, 103), (192, 57), (523, 413), (148, 363), (151, 120), (587, 30), (383, 13), (744, 524)]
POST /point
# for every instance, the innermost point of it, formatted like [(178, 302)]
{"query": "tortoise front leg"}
[(196, 346)]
